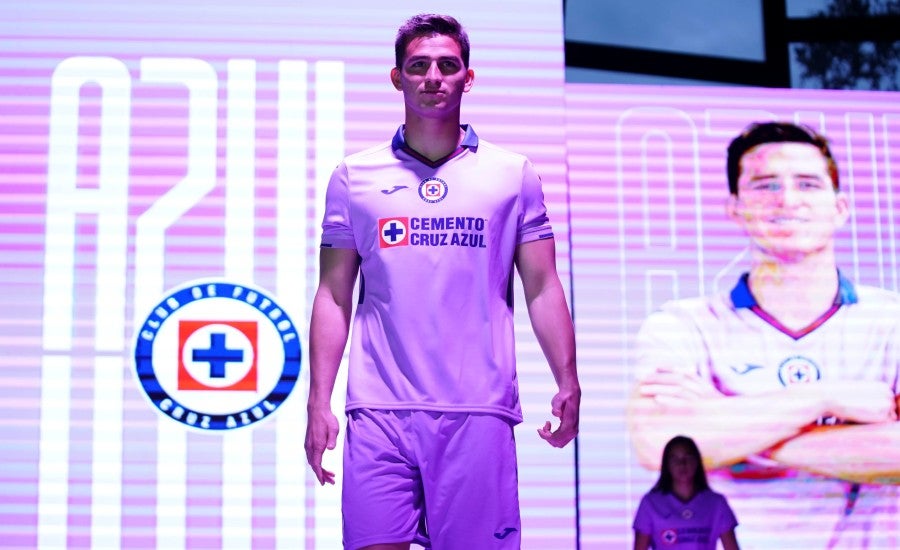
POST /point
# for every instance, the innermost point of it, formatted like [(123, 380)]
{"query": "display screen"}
[(163, 176), (648, 186)]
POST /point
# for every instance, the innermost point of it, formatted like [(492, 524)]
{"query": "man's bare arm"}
[(328, 331), (865, 453), (552, 324), (730, 428)]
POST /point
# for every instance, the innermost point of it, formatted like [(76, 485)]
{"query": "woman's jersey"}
[(693, 525)]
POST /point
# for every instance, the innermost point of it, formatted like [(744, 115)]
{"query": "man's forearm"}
[(547, 308), (865, 453), (552, 325), (727, 429), (327, 339), (329, 325)]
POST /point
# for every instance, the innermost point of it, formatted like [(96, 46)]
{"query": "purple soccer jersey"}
[(727, 340), (693, 525), (433, 328)]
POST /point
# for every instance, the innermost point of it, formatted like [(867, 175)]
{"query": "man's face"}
[(786, 200), (433, 77)]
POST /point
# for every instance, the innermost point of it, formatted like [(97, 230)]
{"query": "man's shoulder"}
[(698, 305), (873, 297), (874, 292), (700, 314), (369, 154), (494, 150)]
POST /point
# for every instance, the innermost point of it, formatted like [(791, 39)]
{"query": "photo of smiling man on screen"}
[(788, 381)]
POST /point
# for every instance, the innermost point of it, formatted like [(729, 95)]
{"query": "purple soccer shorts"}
[(443, 480)]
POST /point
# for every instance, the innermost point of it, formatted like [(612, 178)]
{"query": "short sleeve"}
[(534, 223), (643, 518), (725, 520), (667, 340), (337, 227)]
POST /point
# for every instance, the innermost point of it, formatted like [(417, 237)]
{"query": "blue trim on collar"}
[(469, 140), (398, 142), (846, 291), (741, 296)]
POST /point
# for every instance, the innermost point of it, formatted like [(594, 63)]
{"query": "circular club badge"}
[(432, 190), (798, 370), (214, 355)]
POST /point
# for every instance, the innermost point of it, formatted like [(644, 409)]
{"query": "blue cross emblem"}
[(394, 232), (799, 374), (217, 355)]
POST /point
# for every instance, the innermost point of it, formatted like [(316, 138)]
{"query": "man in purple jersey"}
[(789, 381), (435, 221)]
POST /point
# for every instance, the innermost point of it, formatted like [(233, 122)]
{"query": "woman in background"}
[(681, 511)]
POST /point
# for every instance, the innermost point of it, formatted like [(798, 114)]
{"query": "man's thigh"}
[(382, 500), (470, 479)]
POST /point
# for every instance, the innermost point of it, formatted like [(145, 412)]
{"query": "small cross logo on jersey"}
[(217, 355), (798, 370), (393, 232), (669, 536), (433, 190)]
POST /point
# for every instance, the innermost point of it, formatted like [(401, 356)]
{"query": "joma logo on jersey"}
[(215, 355), (393, 232)]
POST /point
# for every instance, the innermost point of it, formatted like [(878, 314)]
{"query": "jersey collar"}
[(742, 298), (469, 141)]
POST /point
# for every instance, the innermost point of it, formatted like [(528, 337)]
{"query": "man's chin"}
[(788, 253)]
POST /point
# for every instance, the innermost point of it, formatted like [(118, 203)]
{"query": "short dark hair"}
[(430, 24), (759, 133), (665, 482)]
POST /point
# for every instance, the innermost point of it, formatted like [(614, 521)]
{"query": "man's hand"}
[(672, 388), (321, 433), (565, 406)]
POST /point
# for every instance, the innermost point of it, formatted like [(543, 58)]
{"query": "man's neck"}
[(431, 138), (795, 293)]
